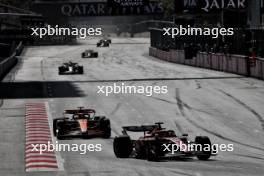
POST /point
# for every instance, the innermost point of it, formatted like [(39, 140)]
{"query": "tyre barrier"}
[(7, 64), (236, 64)]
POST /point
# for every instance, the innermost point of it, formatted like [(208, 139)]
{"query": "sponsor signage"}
[(119, 7), (127, 3), (209, 5)]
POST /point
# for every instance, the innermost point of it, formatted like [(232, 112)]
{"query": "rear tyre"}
[(122, 146), (206, 150), (80, 70)]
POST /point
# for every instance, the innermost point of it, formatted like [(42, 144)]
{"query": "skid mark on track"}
[(179, 102), (257, 115), (182, 106), (181, 173), (178, 126), (164, 100), (116, 108)]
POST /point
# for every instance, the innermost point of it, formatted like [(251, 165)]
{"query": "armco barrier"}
[(227, 63), (11, 61)]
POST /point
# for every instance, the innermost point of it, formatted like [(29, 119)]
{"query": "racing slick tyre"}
[(60, 134), (83, 55), (205, 143), (95, 55), (98, 44), (152, 152), (58, 129), (122, 146), (105, 127), (54, 125), (60, 70), (80, 70)]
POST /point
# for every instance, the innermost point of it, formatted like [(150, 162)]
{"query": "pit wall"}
[(8, 63), (227, 63)]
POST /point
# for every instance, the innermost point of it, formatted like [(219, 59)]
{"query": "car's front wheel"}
[(80, 70), (60, 134), (58, 131)]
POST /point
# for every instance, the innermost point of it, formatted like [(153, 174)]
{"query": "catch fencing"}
[(240, 54), (237, 64)]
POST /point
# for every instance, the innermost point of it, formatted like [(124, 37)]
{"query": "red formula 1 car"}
[(81, 123), (158, 143)]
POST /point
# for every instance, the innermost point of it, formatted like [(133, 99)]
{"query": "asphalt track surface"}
[(228, 108)]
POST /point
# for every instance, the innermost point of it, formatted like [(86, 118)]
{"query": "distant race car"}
[(89, 54), (103, 43), (150, 146), (81, 123), (70, 68), (108, 40)]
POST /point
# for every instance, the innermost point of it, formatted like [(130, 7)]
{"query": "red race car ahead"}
[(158, 143), (81, 123)]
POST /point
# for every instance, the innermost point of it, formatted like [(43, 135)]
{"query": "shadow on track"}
[(156, 79), (17, 90)]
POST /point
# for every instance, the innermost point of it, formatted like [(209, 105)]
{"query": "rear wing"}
[(75, 111), (89, 50), (142, 128)]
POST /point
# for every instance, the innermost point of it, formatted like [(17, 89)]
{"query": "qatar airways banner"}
[(100, 8), (128, 3), (209, 5)]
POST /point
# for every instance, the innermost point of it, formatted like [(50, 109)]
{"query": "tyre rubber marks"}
[(38, 132)]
